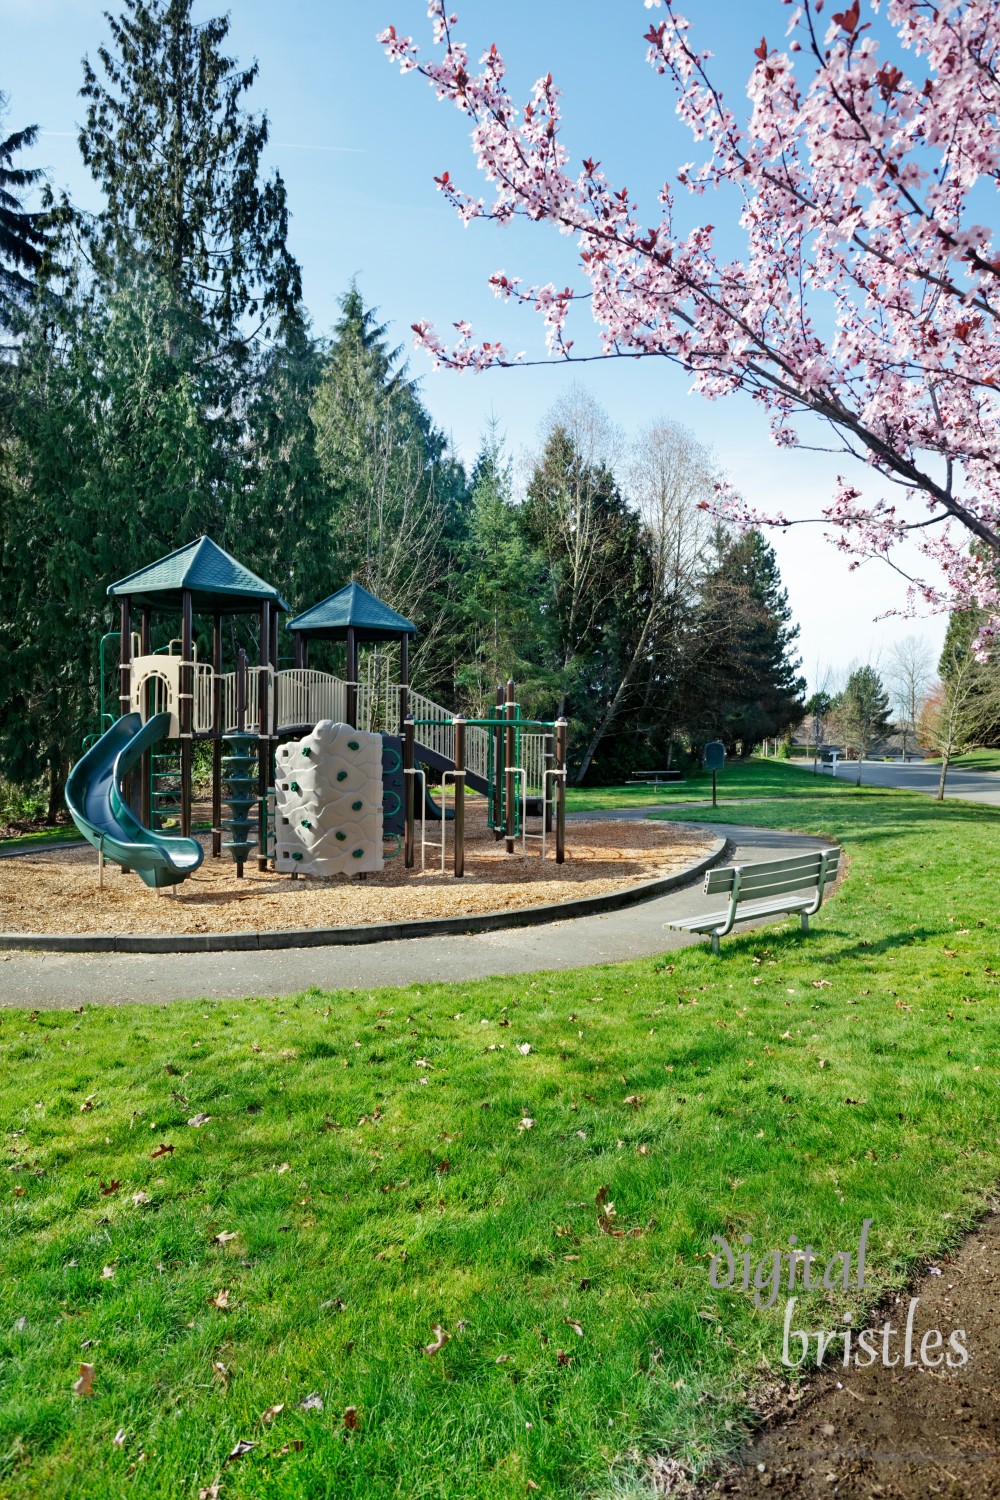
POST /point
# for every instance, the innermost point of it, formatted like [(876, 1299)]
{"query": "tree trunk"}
[(57, 787), (860, 762), (945, 761)]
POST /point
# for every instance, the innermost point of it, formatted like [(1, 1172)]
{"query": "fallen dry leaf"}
[(272, 1411), (197, 1120), (351, 1418), (226, 1236), (283, 1168), (118, 1441), (140, 1198), (162, 1150), (312, 1402), (82, 1387), (524, 1048), (109, 1271), (221, 1298), (576, 1327), (526, 1123), (241, 1448), (440, 1339), (88, 1103), (107, 1188), (209, 1491)]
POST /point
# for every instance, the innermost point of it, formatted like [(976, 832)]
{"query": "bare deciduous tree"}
[(908, 677)]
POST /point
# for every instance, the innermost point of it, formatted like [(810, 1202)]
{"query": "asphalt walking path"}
[(50, 981)]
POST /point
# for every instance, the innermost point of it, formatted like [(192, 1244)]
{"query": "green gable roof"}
[(354, 607), (216, 580)]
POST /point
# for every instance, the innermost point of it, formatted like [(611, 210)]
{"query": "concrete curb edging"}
[(378, 932)]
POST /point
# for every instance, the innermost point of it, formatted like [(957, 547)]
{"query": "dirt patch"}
[(57, 890), (899, 1433)]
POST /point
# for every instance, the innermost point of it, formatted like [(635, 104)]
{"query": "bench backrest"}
[(775, 877)]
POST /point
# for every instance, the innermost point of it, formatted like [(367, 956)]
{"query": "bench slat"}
[(775, 885), (807, 865)]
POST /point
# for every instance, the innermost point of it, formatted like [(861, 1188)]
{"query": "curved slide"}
[(96, 801)]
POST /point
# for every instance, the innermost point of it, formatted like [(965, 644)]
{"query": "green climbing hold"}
[(357, 806), (353, 745), (306, 823), (306, 751), (296, 787), (358, 854), (340, 837), (296, 854), (341, 775)]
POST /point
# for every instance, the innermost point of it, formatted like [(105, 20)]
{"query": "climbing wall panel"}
[(328, 802)]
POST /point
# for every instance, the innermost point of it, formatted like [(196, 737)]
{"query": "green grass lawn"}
[(745, 779), (371, 1157), (974, 760)]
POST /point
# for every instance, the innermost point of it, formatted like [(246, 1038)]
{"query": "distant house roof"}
[(352, 607), (216, 580)]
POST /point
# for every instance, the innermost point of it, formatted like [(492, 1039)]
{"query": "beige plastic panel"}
[(328, 802)]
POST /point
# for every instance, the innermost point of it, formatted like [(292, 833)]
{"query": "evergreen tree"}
[(743, 681), (500, 582), (394, 494), (178, 160), (588, 541), (862, 713), (23, 234)]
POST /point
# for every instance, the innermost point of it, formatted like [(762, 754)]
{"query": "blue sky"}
[(359, 146)]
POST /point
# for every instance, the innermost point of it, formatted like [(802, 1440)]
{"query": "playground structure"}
[(168, 700)]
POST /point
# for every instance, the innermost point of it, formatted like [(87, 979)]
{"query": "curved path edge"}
[(376, 932)]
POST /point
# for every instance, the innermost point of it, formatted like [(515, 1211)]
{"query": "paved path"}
[(970, 786), (59, 981)]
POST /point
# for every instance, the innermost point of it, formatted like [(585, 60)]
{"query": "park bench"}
[(795, 884), (657, 776)]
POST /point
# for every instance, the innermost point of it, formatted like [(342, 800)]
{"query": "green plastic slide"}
[(96, 800)]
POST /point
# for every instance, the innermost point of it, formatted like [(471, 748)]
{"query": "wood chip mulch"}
[(57, 891)]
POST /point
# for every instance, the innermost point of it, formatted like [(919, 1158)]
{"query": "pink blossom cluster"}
[(867, 295)]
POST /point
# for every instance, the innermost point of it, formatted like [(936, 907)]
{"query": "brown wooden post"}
[(186, 706), (459, 796), (263, 742), (409, 795), (217, 728), (510, 780), (561, 791), (404, 680), (352, 678), (146, 764), (497, 733), (300, 656)]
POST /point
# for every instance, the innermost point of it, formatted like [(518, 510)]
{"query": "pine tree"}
[(395, 495), (862, 713), (178, 160), (743, 681), (23, 233)]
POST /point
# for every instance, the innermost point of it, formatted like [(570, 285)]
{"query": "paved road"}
[(60, 981), (971, 786)]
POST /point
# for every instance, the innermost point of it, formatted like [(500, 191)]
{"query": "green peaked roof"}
[(352, 607), (216, 580)]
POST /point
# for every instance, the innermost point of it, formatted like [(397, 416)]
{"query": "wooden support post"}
[(241, 690), (300, 656), (510, 780), (409, 795), (498, 765), (217, 728), (459, 797), (352, 678), (404, 680), (561, 791), (263, 743), (146, 764), (186, 707)]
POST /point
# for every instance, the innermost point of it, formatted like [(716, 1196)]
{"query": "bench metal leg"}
[(716, 946), (804, 918)]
